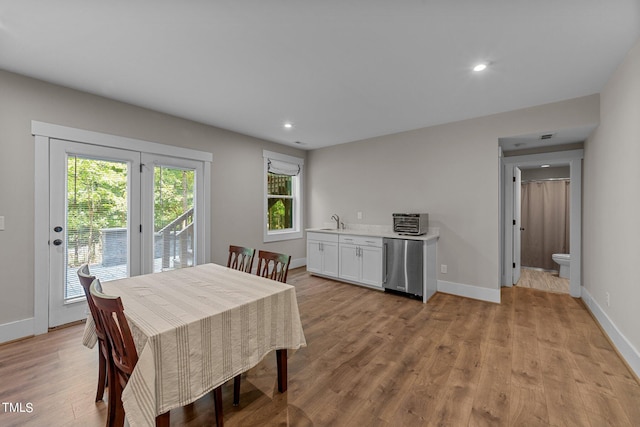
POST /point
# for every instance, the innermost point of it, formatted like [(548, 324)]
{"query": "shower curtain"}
[(545, 219)]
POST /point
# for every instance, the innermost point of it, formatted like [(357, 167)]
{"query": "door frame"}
[(573, 158), (516, 202), (43, 133)]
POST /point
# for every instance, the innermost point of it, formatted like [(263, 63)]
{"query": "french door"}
[(172, 205), (123, 212)]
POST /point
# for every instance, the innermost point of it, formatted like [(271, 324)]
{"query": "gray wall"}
[(611, 206), (449, 171), (236, 182)]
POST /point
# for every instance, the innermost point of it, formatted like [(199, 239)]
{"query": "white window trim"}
[(296, 232)]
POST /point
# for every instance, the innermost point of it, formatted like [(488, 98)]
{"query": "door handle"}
[(57, 242), (57, 229)]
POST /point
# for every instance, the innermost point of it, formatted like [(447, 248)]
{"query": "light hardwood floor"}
[(376, 359), (543, 280)]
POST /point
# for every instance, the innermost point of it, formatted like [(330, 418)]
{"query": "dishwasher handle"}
[(384, 263)]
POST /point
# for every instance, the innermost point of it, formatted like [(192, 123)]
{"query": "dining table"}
[(196, 328)]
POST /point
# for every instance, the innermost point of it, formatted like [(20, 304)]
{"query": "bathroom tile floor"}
[(543, 280)]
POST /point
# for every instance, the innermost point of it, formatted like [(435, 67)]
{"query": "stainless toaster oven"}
[(410, 224)]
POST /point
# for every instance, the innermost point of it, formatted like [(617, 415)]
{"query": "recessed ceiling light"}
[(545, 166), (480, 67), (288, 125)]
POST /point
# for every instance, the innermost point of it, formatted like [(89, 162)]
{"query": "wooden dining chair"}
[(271, 265), (241, 258), (86, 278), (124, 357)]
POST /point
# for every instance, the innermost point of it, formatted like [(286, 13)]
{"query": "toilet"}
[(563, 260)]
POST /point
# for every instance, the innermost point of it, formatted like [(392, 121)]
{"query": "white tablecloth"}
[(196, 328)]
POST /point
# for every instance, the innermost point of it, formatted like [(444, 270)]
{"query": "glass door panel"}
[(173, 218), (173, 223), (97, 220)]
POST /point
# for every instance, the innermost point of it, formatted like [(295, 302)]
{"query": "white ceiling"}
[(339, 70)]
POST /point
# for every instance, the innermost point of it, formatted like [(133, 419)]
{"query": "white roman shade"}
[(280, 167)]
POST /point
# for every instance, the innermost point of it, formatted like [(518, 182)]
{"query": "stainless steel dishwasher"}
[(403, 265)]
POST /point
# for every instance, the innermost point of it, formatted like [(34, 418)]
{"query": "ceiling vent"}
[(546, 136)]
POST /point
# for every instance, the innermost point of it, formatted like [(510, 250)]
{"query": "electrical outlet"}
[(443, 268), (608, 300), (359, 215)]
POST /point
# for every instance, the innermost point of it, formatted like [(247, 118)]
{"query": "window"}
[(282, 196)]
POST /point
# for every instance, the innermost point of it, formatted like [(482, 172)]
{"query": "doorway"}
[(125, 207), (545, 216), (511, 183)]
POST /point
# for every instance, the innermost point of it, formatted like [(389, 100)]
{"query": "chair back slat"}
[(273, 265), (241, 258)]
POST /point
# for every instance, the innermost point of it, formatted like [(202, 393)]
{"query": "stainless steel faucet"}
[(336, 218)]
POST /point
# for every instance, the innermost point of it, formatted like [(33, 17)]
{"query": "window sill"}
[(276, 236)]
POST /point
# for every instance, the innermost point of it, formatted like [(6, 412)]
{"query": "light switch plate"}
[(1, 223)]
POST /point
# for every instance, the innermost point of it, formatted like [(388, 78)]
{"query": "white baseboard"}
[(15, 330), (468, 291), (298, 262), (624, 347)]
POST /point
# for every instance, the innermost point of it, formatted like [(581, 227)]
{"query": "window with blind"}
[(97, 218), (283, 195)]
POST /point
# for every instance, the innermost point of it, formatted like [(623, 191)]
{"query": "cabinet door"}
[(349, 262), (330, 259), (314, 256), (371, 266)]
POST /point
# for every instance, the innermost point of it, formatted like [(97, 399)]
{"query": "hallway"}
[(543, 280)]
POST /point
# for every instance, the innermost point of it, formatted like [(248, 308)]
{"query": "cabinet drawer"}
[(322, 237), (361, 240)]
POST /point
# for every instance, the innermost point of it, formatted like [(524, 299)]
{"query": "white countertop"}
[(432, 234)]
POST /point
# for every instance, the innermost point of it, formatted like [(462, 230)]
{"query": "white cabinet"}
[(322, 254), (349, 266), (361, 260), (371, 272)]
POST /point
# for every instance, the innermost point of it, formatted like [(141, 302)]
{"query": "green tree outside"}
[(97, 199)]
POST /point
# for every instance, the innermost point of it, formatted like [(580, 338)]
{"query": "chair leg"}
[(236, 390), (113, 398), (102, 375), (118, 409), (217, 403)]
